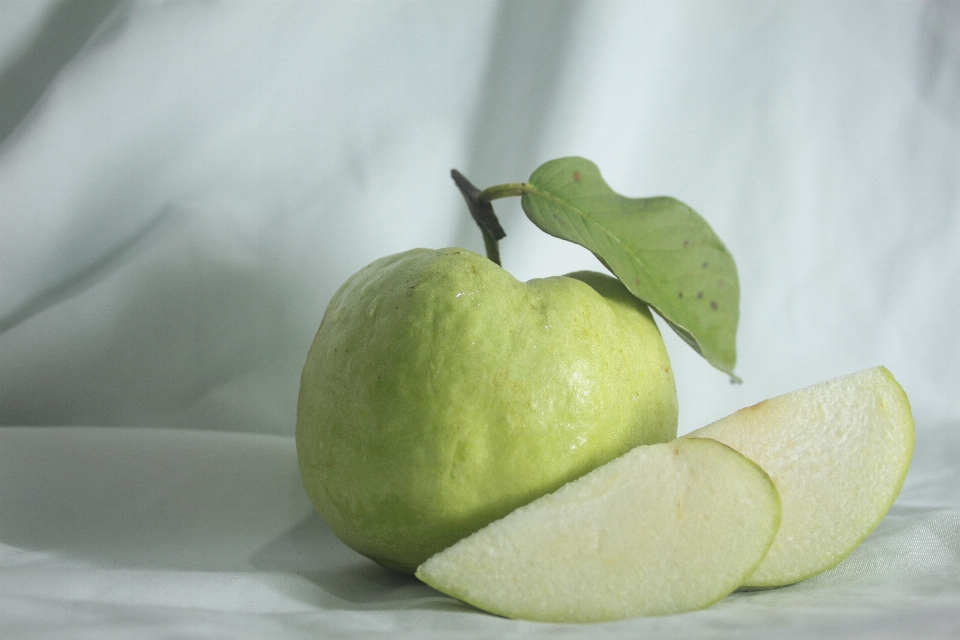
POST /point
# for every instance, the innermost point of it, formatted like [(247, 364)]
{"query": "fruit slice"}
[(838, 453), (662, 529)]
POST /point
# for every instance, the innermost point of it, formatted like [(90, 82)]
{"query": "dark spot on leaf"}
[(576, 176), (713, 304), (699, 295)]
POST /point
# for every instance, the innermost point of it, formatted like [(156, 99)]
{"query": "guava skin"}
[(440, 393)]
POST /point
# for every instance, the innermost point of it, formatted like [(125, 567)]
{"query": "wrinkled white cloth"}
[(153, 533), (183, 186)]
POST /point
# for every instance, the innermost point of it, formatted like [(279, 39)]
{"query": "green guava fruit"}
[(440, 394)]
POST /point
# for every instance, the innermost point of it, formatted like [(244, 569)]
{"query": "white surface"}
[(192, 185), (147, 533)]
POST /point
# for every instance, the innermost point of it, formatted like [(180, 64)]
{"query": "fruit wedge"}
[(664, 528), (838, 453)]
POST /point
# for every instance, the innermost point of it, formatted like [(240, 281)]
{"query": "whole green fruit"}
[(440, 393)]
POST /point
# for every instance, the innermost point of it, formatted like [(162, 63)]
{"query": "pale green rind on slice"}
[(663, 529), (838, 453)]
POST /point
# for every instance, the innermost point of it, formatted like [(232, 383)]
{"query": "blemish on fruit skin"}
[(699, 295), (576, 176), (680, 294), (686, 243), (704, 265), (713, 305)]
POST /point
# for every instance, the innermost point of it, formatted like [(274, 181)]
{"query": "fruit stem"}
[(491, 246), (482, 213)]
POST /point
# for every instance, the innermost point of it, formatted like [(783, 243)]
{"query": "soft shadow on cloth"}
[(66, 28)]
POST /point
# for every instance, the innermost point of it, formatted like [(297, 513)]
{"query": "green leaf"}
[(661, 249)]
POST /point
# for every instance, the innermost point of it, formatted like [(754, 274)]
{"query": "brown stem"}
[(482, 213)]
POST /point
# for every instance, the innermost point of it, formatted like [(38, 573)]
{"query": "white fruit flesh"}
[(662, 529), (838, 453)]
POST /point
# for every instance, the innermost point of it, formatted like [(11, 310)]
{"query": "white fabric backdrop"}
[(184, 185)]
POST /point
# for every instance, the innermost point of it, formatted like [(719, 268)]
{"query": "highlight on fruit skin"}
[(663, 529), (838, 453)]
